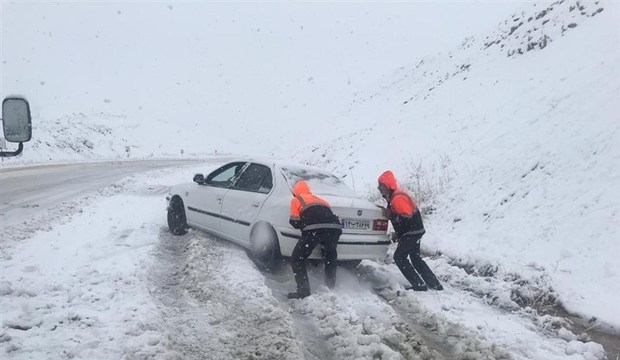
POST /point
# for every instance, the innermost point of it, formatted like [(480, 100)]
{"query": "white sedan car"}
[(248, 202)]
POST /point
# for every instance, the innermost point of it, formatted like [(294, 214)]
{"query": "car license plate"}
[(355, 224)]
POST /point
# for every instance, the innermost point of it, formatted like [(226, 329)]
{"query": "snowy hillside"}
[(100, 136), (517, 135), (79, 137)]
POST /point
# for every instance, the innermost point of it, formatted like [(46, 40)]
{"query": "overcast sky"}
[(239, 61)]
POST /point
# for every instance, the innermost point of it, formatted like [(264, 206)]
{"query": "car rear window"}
[(320, 183)]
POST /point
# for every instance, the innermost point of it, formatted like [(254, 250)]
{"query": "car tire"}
[(265, 247), (177, 222)]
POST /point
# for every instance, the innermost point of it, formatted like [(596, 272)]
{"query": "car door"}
[(244, 201), (204, 202)]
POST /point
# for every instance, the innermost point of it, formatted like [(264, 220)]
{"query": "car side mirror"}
[(199, 179), (16, 123)]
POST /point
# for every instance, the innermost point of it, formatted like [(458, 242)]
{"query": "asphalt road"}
[(27, 191)]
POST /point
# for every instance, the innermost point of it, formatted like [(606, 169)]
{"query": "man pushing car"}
[(406, 219), (318, 224)]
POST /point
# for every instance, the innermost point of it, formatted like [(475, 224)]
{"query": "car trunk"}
[(357, 216)]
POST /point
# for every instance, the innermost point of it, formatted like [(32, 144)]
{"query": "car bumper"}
[(350, 246)]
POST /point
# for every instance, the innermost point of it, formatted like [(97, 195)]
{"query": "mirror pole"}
[(13, 153)]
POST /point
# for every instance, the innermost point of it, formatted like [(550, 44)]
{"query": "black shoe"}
[(437, 287), (417, 287), (297, 295)]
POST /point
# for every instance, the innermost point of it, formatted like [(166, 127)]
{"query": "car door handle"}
[(255, 204), (219, 198)]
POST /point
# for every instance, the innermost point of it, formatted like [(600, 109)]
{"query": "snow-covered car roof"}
[(320, 180)]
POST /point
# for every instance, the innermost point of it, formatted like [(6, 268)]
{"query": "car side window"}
[(225, 176), (255, 178)]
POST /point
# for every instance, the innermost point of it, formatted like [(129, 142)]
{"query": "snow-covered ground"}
[(112, 282), (510, 141)]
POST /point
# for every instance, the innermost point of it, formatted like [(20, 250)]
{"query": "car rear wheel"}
[(264, 247), (177, 222)]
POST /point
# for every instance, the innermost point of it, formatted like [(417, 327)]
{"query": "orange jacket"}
[(309, 212), (406, 217), (400, 201)]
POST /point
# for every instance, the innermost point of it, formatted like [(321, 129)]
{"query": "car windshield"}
[(320, 183)]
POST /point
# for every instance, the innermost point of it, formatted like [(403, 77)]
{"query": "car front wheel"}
[(177, 222)]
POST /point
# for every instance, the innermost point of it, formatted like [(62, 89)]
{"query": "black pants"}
[(409, 246), (309, 240)]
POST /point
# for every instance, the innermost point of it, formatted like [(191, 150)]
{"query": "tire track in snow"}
[(179, 313), (349, 322), (196, 291), (216, 304), (310, 334)]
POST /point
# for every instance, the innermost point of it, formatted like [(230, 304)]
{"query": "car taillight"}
[(380, 225)]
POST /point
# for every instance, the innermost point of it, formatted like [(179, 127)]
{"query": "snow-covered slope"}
[(102, 136), (516, 137), (80, 137)]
